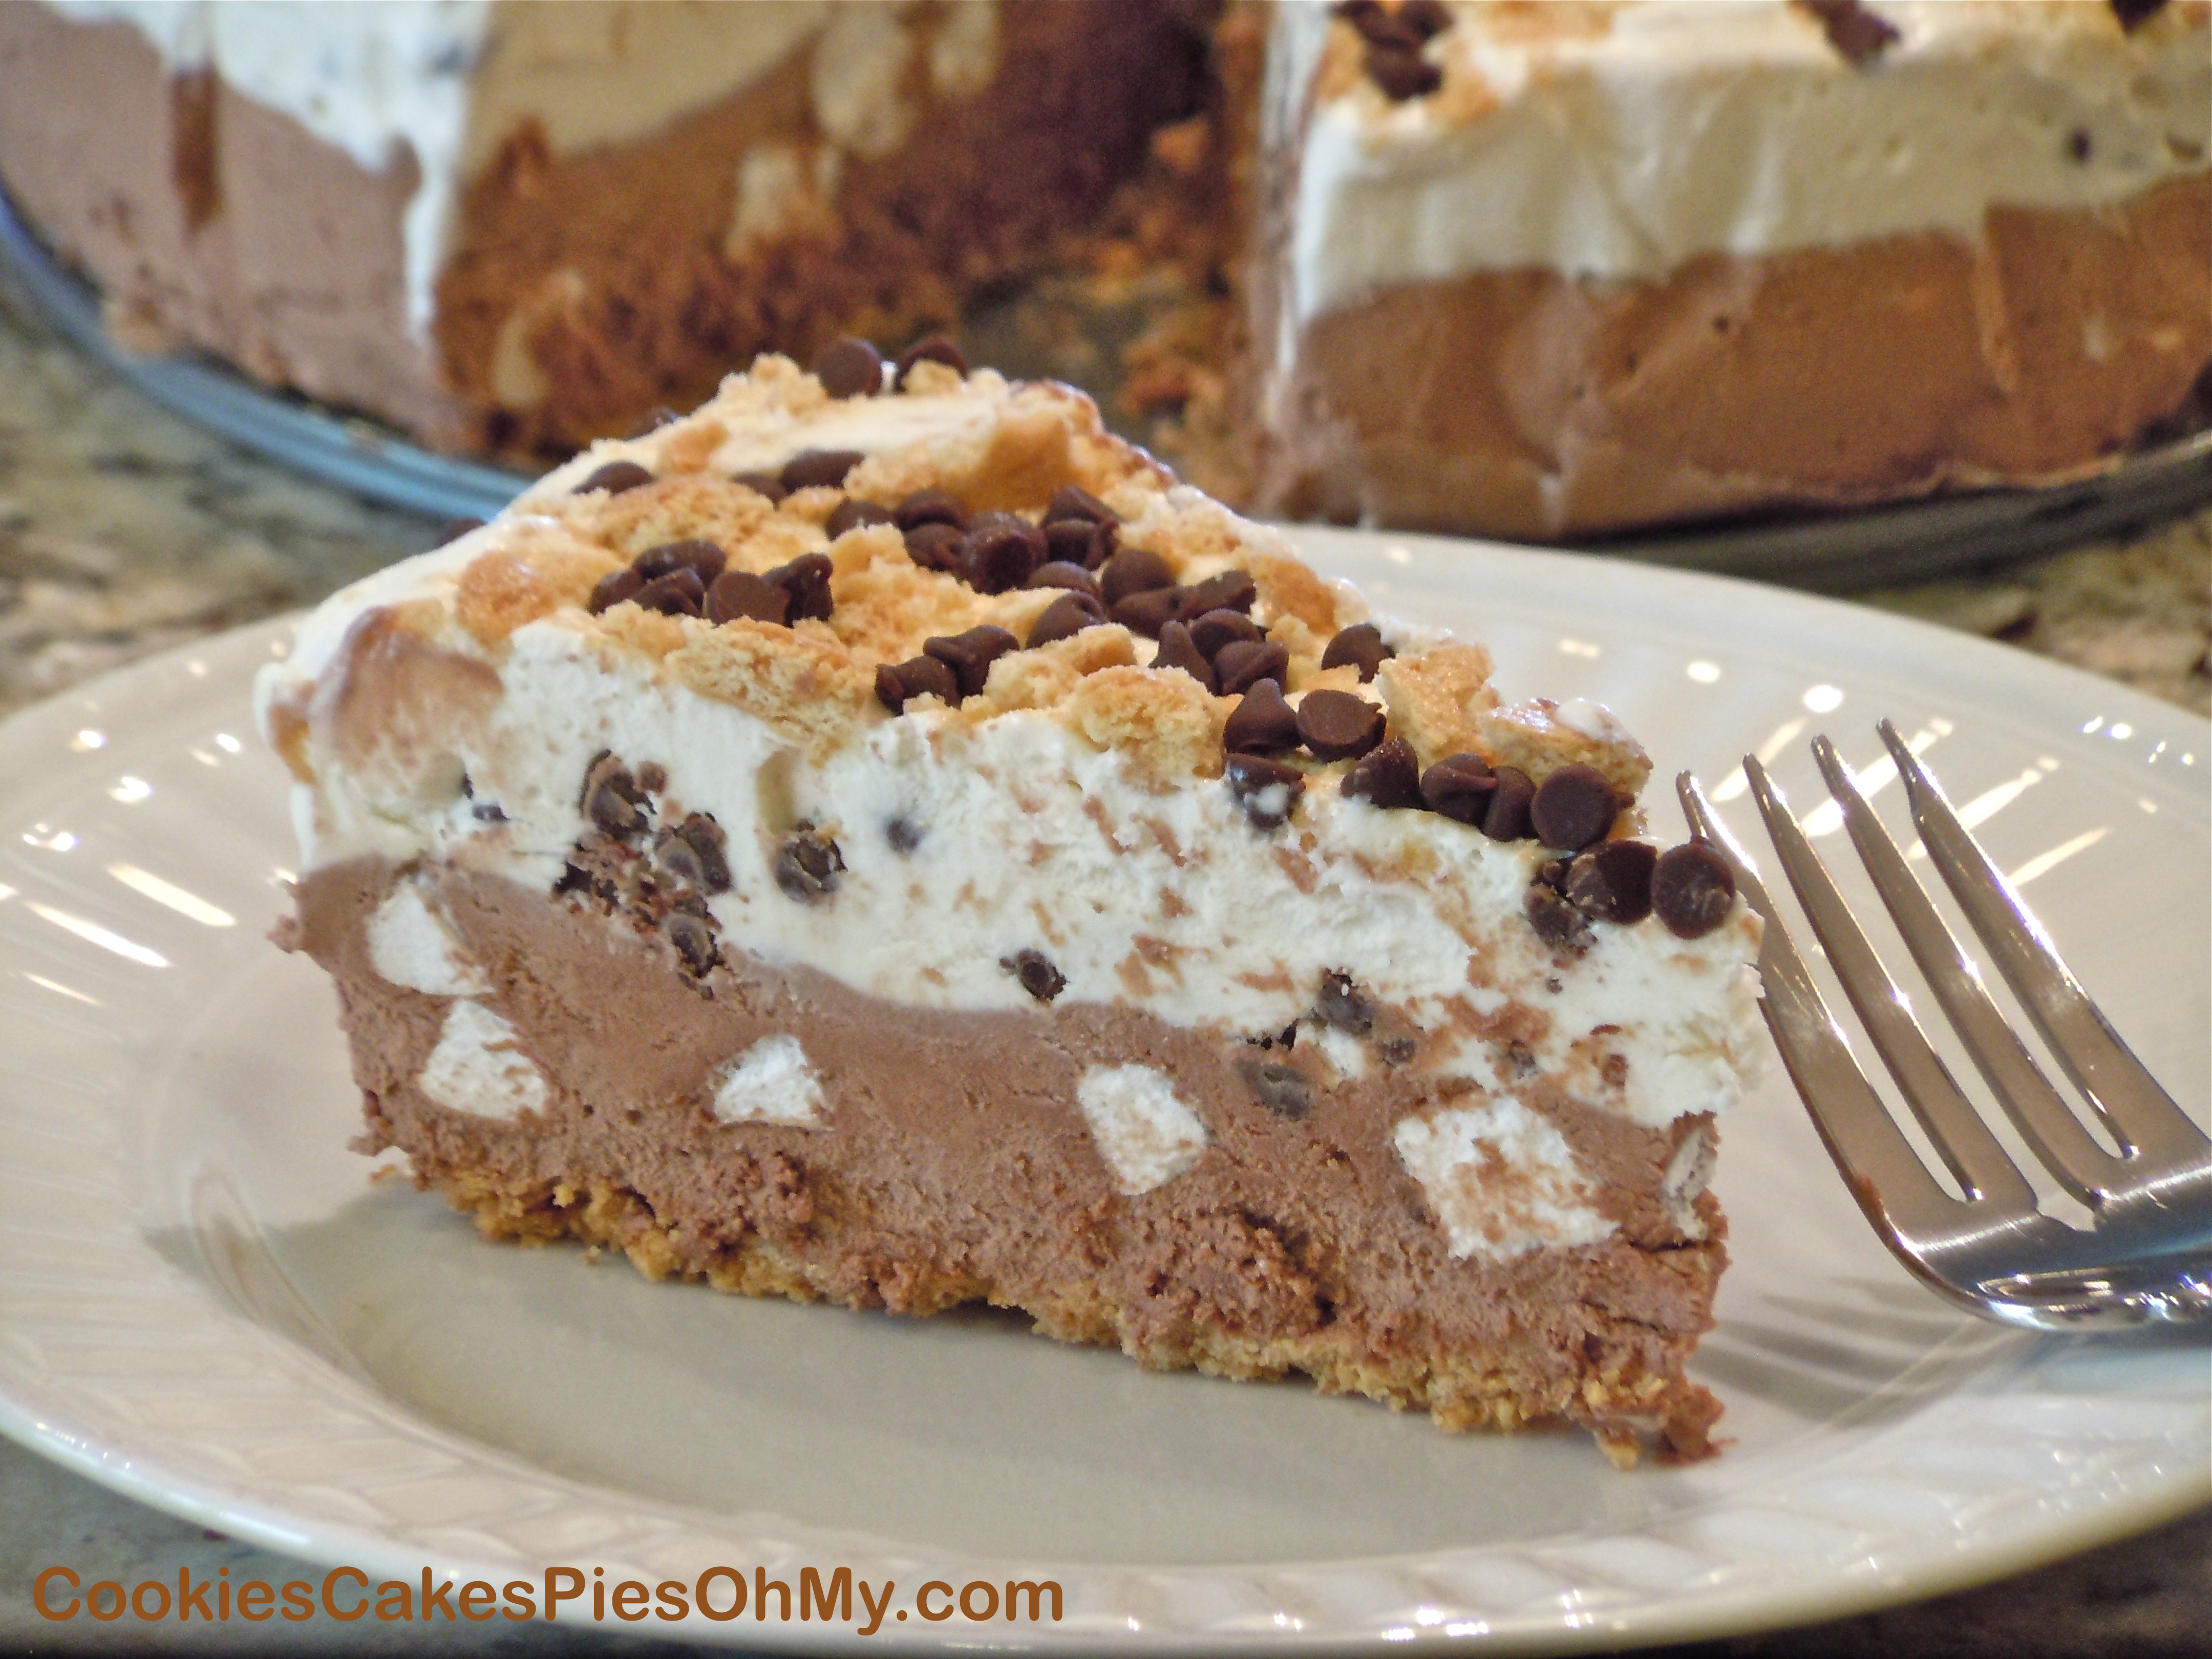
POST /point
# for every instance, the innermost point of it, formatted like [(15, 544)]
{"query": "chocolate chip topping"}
[(1283, 1090), (1856, 33), (1556, 921), (1572, 808), (850, 367), (936, 546), (808, 864), (917, 676), (1262, 724), (817, 469), (1038, 977), (613, 588), (1002, 550), (762, 483), (852, 514), (1133, 570), (1147, 612), (1072, 577), (1506, 817), (1267, 790), (1692, 888), (1341, 1005), (1242, 662), (969, 656), (704, 557), (1401, 72), (1211, 630), (704, 837), (1065, 616), (1076, 541), (1176, 651), (1390, 777), (2133, 13), (611, 798), (930, 349), (806, 579), (1338, 726), (1232, 590), (741, 594), (679, 593), (615, 477), (1359, 646), (931, 507), (903, 835), (692, 939), (1459, 787), (1613, 882)]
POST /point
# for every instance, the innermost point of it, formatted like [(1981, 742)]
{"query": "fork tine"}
[(2053, 1132), (2141, 1114), (1960, 1137), (1878, 1164)]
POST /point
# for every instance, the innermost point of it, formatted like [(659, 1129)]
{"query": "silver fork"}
[(2147, 1254)]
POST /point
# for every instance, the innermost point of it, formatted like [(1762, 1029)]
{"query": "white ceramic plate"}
[(204, 1304)]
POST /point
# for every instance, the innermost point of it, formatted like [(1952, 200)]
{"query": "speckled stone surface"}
[(123, 530)]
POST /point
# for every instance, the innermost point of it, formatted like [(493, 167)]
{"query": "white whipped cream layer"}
[(1676, 127)]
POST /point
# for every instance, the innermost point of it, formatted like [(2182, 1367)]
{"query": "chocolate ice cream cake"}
[(902, 848)]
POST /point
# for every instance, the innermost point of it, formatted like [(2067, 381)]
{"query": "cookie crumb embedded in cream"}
[(1146, 1133)]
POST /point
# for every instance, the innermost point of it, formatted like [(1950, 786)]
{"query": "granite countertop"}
[(123, 530)]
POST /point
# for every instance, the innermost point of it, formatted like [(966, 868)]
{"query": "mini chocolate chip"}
[(917, 676), (850, 367), (1072, 577), (1147, 612), (1079, 542), (704, 558), (1231, 590), (1388, 776), (678, 859), (487, 811), (806, 579), (1262, 723), (1572, 808), (969, 656), (817, 469), (1359, 646), (2133, 13), (1283, 1090), (1339, 726), (762, 483), (1427, 18), (603, 768), (1397, 1050), (1038, 977), (930, 349), (652, 420), (1459, 787), (1241, 663), (1267, 790), (2078, 146), (1856, 33), (679, 593), (930, 506), (1401, 72), (1133, 570), (1506, 817), (808, 864), (903, 835), (936, 546), (1341, 1005), (611, 801), (1002, 550), (1212, 629), (613, 588), (1556, 921), (615, 477), (852, 514), (1408, 24), (1613, 882), (705, 839), (1065, 617), (1176, 651), (741, 594), (1069, 502), (1692, 888), (652, 777), (691, 938)]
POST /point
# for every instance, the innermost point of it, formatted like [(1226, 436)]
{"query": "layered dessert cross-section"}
[(902, 848)]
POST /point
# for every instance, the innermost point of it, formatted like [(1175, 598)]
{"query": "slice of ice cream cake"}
[(902, 848)]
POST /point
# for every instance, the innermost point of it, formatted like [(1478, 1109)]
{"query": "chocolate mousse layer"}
[(948, 1161), (1530, 404)]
